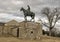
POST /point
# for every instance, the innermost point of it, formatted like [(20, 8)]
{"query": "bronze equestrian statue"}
[(28, 13)]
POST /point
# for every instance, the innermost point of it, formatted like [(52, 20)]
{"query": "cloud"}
[(17, 2), (7, 17)]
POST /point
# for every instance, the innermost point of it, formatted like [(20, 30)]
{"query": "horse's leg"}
[(33, 18), (25, 18)]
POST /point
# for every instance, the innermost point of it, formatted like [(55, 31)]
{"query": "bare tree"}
[(52, 17)]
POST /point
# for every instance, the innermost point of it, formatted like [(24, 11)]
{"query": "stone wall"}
[(27, 30), (1, 29), (30, 30)]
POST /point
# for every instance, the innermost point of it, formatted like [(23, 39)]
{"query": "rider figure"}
[(28, 8)]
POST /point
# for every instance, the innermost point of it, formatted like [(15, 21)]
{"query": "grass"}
[(42, 39)]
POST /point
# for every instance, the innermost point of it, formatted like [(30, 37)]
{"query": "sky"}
[(10, 9)]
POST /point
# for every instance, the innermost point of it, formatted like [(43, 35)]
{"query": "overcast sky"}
[(10, 9)]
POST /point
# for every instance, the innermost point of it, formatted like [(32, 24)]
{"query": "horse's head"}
[(21, 9)]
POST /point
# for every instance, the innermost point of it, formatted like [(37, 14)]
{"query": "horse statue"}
[(27, 13)]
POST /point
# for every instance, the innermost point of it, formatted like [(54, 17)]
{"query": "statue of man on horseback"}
[(28, 13)]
